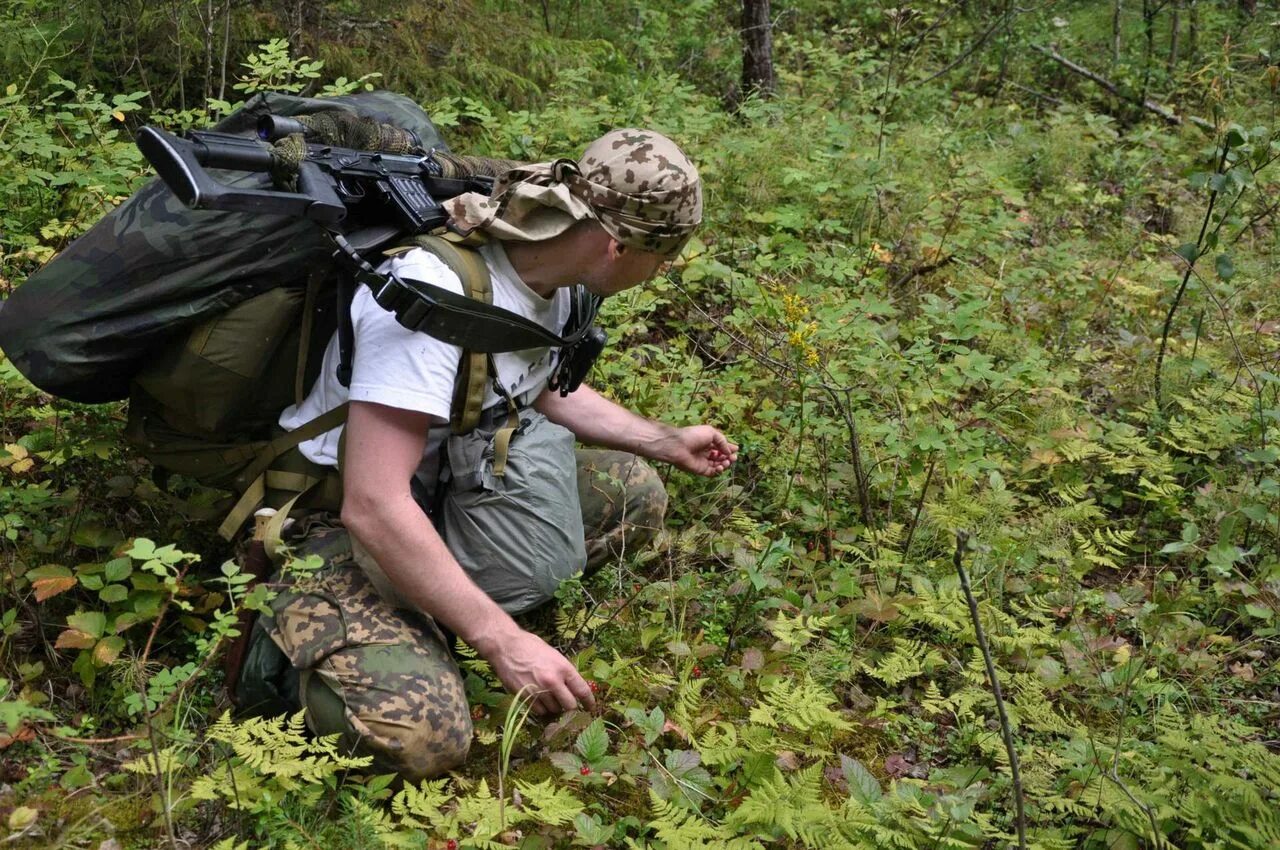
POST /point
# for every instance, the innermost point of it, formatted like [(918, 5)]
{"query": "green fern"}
[(271, 756), (550, 805), (804, 707), (909, 658), (420, 806)]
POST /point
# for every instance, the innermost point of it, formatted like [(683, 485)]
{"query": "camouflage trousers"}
[(382, 677)]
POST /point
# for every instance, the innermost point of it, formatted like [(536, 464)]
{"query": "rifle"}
[(403, 190), (390, 194)]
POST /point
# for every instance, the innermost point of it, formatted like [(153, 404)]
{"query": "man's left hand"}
[(700, 449)]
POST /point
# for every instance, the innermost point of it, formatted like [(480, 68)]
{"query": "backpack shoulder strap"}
[(464, 261)]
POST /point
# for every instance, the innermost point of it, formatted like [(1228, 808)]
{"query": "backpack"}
[(211, 323)]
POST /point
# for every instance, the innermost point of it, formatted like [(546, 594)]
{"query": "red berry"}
[(451, 845), (697, 671), (584, 770), (595, 686)]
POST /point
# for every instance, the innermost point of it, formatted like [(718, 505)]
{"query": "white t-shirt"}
[(406, 369)]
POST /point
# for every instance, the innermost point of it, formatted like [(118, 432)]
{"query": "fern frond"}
[(550, 805)]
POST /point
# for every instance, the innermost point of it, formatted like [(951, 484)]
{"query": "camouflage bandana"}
[(636, 183)]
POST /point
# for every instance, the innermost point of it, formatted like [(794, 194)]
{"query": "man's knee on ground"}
[(646, 500), (416, 725)]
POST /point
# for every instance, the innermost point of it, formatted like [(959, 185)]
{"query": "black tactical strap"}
[(458, 320)]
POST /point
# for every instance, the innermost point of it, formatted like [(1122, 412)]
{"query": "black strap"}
[(458, 320)]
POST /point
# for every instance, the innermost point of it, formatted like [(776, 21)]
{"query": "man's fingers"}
[(563, 697), (545, 706), (582, 691)]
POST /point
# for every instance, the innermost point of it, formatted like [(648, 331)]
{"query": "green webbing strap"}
[(469, 266), (275, 526), (304, 337), (256, 492), (502, 439)]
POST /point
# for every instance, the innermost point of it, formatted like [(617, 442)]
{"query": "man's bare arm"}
[(383, 448), (700, 449)]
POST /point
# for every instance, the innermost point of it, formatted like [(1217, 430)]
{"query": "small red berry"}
[(595, 686), (451, 845), (697, 671), (584, 770)]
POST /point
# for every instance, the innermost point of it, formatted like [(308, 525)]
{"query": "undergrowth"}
[(922, 307)]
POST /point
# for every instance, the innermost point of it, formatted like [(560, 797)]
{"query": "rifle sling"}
[(458, 320)]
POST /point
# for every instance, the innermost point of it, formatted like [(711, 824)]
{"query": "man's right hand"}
[(527, 661)]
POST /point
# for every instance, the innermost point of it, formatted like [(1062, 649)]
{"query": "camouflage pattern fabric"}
[(82, 325), (381, 676), (637, 184), (623, 504)]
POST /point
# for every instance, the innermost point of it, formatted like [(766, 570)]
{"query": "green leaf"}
[(863, 787), (1262, 612), (651, 723), (592, 830), (1188, 251), (142, 550), (1237, 136), (758, 768), (90, 622), (593, 742), (114, 593), (1225, 267), (95, 536), (117, 569), (48, 571)]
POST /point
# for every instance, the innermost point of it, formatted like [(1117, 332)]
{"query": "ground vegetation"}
[(985, 292)]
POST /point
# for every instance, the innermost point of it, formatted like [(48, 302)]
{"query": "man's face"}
[(625, 268)]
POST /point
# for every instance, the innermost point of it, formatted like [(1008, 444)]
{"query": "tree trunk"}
[(757, 49), (226, 48), (206, 24), (1193, 30), (1174, 26), (1115, 33)]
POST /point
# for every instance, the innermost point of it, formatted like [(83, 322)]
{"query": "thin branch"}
[(1186, 277), (1146, 103), (969, 51), (962, 540), (915, 520)]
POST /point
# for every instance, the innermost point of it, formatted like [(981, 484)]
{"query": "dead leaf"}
[(23, 735), (668, 726), (896, 766), (787, 760), (752, 659), (835, 775), (49, 587), (16, 459), (75, 639), (1243, 671), (1041, 457), (876, 608)]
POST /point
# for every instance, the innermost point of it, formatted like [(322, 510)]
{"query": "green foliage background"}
[(930, 297)]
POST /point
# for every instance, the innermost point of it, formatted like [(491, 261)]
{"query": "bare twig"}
[(962, 539), (1186, 277), (969, 51), (1145, 102), (915, 520)]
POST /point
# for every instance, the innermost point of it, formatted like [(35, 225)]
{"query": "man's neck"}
[(547, 265)]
